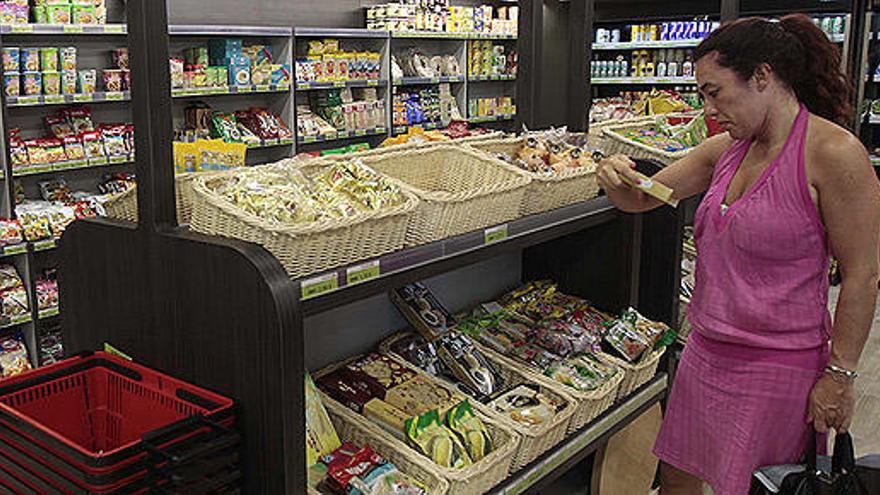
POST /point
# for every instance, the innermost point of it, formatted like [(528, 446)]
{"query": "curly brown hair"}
[(800, 54)]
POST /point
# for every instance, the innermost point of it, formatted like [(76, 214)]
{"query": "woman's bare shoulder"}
[(832, 149)]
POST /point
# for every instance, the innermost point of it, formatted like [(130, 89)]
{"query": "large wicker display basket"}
[(614, 142), (475, 479), (461, 189), (306, 248), (535, 440), (589, 405), (351, 430), (547, 191), (124, 206), (636, 374)]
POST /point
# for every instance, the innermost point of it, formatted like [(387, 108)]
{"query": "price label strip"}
[(361, 273), (495, 234), (318, 286)]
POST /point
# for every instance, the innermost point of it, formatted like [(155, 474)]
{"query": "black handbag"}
[(840, 474)]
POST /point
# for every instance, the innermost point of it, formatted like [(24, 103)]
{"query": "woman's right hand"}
[(611, 174)]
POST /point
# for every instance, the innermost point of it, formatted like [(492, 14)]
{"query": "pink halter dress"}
[(760, 323)]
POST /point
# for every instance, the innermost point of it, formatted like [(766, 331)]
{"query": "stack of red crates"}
[(99, 424)]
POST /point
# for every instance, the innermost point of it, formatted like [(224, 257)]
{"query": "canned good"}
[(827, 25), (838, 25), (12, 83), (634, 36), (615, 36)]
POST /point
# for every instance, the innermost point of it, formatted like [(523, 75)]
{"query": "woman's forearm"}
[(632, 200), (853, 318)]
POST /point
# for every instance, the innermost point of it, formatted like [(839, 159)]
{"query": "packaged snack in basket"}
[(93, 143), (597, 365), (13, 354), (10, 232), (423, 311), (387, 480), (656, 333), (468, 365), (12, 83), (350, 388), (626, 340), (387, 372), (419, 352), (436, 441), (11, 59), (9, 278), (32, 83), (225, 127), (526, 405), (473, 434), (420, 395), (348, 463), (321, 437), (388, 417), (571, 375), (68, 58), (30, 59), (534, 356)]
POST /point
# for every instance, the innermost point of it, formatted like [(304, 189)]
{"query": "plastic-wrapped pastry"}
[(526, 405), (436, 441), (473, 434), (423, 310)]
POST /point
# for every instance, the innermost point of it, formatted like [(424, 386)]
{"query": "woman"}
[(785, 187)]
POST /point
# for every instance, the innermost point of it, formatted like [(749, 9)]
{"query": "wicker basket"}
[(461, 189), (547, 191), (477, 478), (635, 374), (535, 439), (350, 429), (589, 405), (613, 142), (124, 206), (307, 248)]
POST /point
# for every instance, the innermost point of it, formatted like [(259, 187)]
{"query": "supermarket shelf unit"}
[(224, 314), (277, 97), (93, 42), (463, 87), (360, 39)]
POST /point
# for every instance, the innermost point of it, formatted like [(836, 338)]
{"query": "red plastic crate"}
[(94, 408)]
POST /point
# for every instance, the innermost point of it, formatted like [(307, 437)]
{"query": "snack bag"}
[(526, 406), (462, 420), (13, 354), (10, 232), (626, 340), (428, 435), (9, 278), (321, 437)]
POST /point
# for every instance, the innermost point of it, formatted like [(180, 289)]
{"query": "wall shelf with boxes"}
[(232, 85), (66, 122), (868, 109)]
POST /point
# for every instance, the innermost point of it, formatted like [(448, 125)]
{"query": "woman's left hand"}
[(831, 404)]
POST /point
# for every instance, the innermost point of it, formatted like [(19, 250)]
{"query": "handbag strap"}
[(810, 454), (844, 458)]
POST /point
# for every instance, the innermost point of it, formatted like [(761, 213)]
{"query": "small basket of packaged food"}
[(635, 344), (558, 162), (666, 138), (540, 413), (312, 218), (556, 336), (343, 454), (423, 417), (460, 189)]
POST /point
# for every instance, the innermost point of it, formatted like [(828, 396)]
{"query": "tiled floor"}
[(866, 422)]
